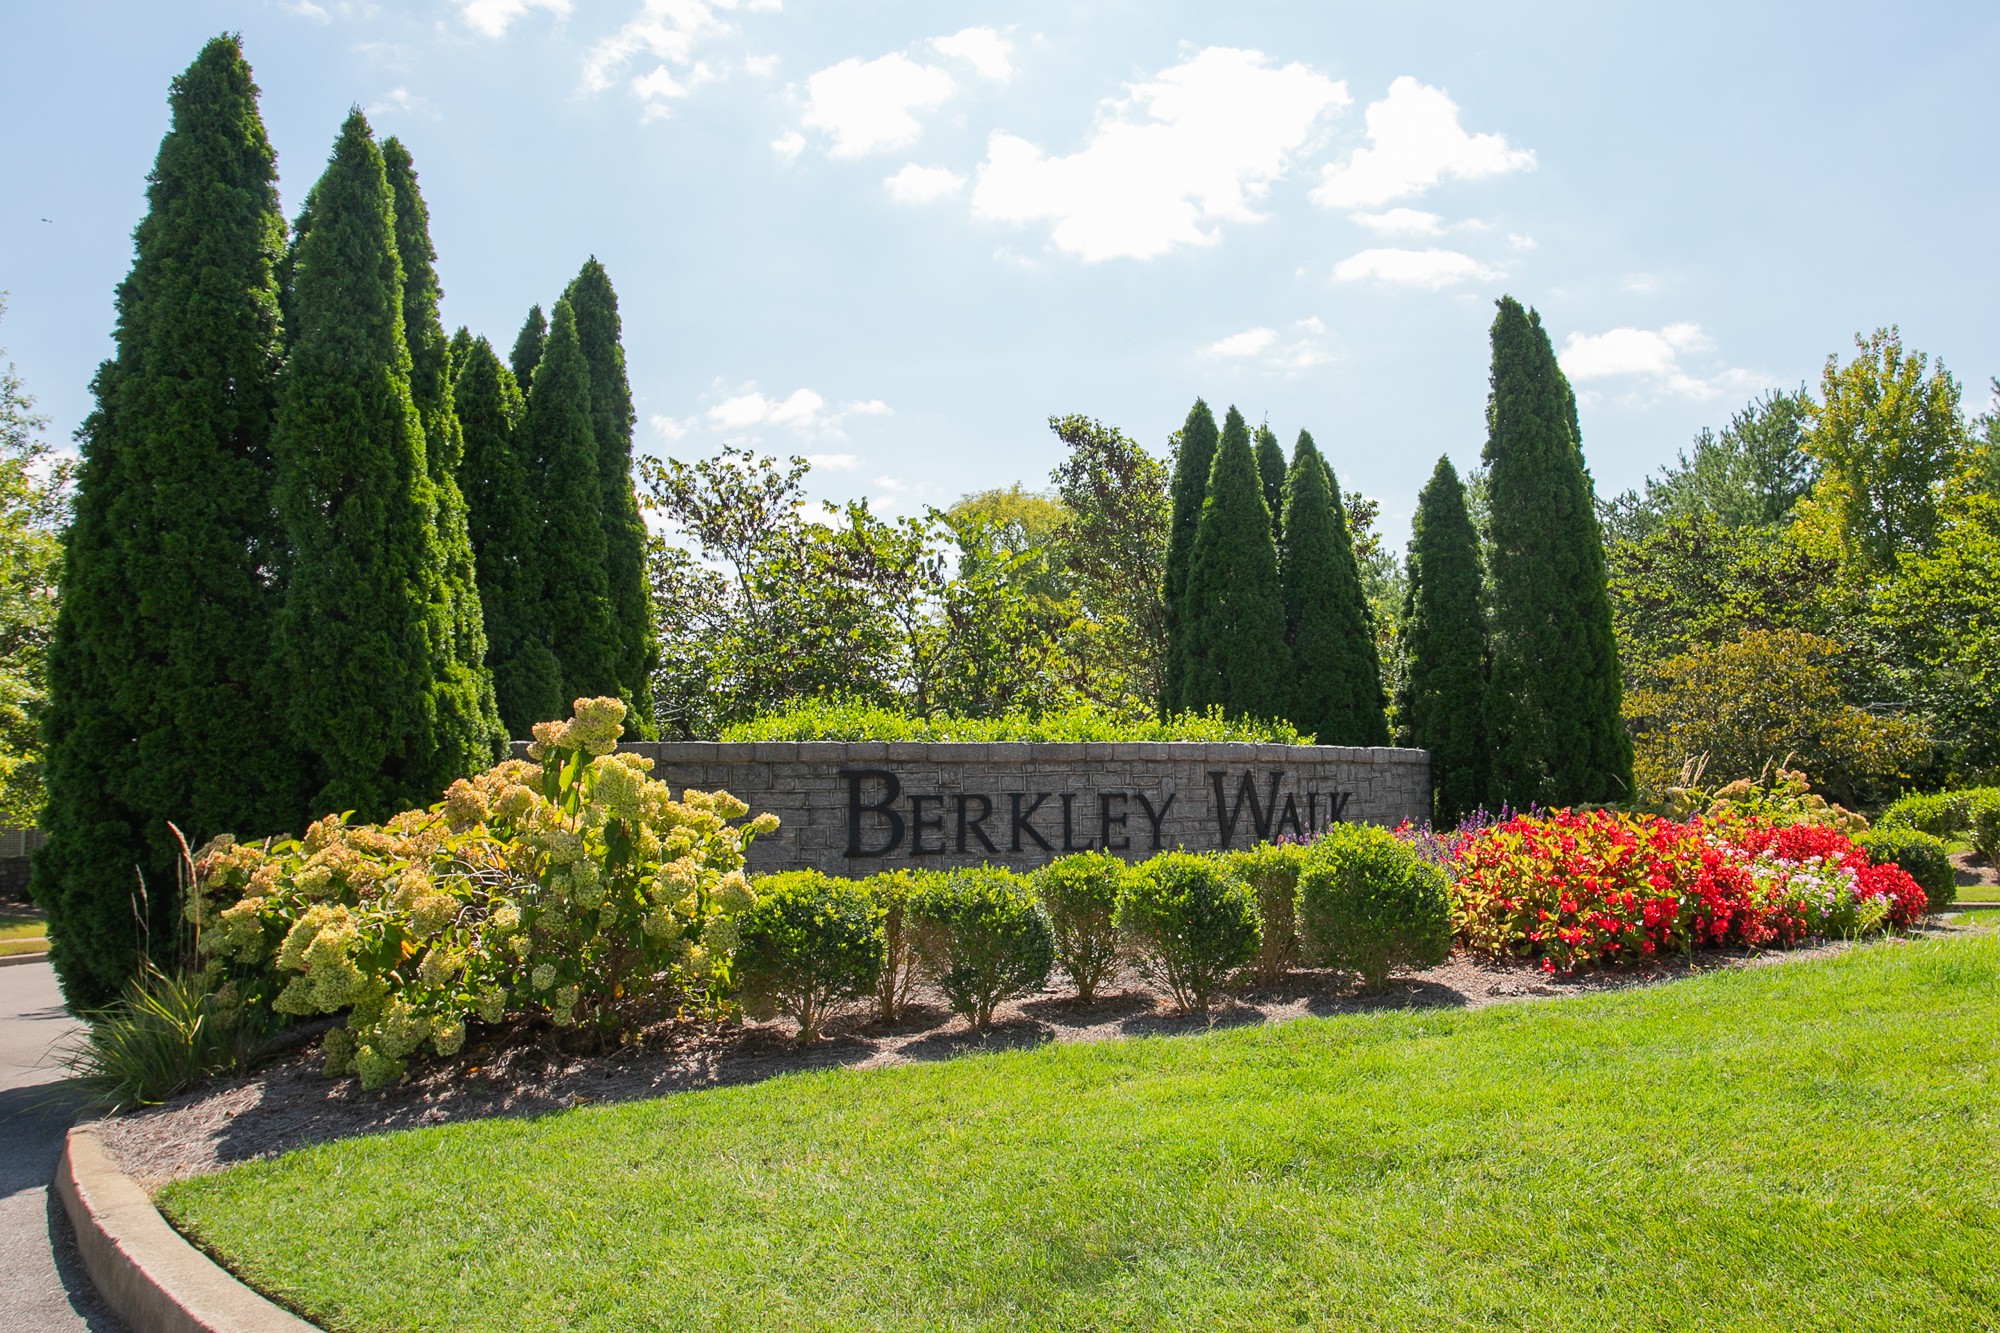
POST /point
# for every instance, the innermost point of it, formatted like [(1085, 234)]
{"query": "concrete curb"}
[(154, 1280), (14, 959)]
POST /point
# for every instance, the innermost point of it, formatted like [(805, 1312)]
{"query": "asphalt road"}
[(42, 1285)]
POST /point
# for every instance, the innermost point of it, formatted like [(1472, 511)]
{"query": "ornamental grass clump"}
[(1271, 869), (1371, 905), (166, 1033), (809, 942), (1190, 922), (983, 939), (1080, 893), (568, 888)]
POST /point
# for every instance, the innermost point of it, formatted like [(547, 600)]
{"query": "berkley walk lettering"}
[(884, 821)]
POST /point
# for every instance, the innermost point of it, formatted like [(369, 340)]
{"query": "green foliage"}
[(891, 892), (1750, 475), (1271, 473), (528, 343), (983, 938), (1271, 869), (599, 333), (1336, 686), (469, 714), (1441, 690), (1194, 458), (576, 597), (1924, 858), (833, 720), (1777, 796), (367, 615), (503, 523), (34, 503), (1112, 546), (1771, 696), (166, 1033), (1983, 823), (1191, 922), (1368, 904), (567, 887), (1553, 702), (1080, 894), (1943, 814), (1232, 613), (807, 943), (161, 700), (1940, 610)]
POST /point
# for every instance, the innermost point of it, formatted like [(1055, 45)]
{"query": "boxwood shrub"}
[(983, 938), (1924, 858), (1191, 922), (1272, 872), (891, 891), (1368, 904), (1080, 894), (807, 943)]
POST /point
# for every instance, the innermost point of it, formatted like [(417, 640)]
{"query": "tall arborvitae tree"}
[(1192, 459), (598, 331), (460, 658), (367, 607), (1553, 703), (575, 601), (1336, 687), (1233, 610), (1441, 693), (505, 527), (527, 353), (1271, 471), (160, 690)]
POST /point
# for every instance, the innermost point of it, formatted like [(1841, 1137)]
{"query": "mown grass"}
[(1803, 1146), (22, 937)]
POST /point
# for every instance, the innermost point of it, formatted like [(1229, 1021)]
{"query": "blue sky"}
[(896, 237)]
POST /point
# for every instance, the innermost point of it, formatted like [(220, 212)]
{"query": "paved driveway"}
[(42, 1286)]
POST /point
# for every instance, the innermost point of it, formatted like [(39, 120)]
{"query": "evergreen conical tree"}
[(575, 600), (463, 681), (1336, 677), (159, 673), (1192, 461), (1233, 611), (505, 526), (1441, 694), (1554, 699), (527, 353), (367, 612), (598, 331), (1271, 471)]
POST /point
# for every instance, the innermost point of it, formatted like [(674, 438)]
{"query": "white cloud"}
[(869, 407), (1416, 142), (803, 412), (1653, 359), (1432, 268), (306, 9), (1520, 240), (401, 100), (1639, 284), (1402, 222), (671, 32), (1167, 163), (660, 89), (494, 17), (923, 185), (761, 66), (789, 145), (982, 48), (1250, 342), (835, 462), (1311, 324), (869, 106), (667, 428)]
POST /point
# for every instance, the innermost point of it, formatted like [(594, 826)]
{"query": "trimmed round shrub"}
[(983, 938), (1271, 870), (1080, 894), (1191, 922), (1368, 904), (1942, 814), (808, 942), (891, 891), (1922, 857), (1983, 822)]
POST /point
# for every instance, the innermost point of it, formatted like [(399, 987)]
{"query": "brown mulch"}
[(288, 1103), (1973, 873)]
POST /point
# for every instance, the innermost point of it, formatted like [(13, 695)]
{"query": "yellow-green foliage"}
[(569, 887), (1271, 869)]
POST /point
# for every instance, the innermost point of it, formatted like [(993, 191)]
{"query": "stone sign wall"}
[(853, 808)]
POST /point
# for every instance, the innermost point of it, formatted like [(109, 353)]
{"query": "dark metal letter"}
[(975, 825), (1021, 824), (885, 807), (918, 824), (1106, 821)]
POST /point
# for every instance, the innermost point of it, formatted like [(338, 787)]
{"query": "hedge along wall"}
[(853, 808)]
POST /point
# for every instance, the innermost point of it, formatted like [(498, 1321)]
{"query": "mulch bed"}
[(288, 1103)]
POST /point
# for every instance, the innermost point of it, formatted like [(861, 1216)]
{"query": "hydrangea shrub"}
[(569, 887)]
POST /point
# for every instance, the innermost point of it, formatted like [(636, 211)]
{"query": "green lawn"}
[(1805, 1146), (22, 937)]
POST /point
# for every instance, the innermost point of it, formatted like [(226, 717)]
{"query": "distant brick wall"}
[(16, 845), (855, 808)]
